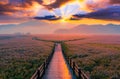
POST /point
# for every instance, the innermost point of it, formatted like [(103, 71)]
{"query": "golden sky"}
[(61, 13)]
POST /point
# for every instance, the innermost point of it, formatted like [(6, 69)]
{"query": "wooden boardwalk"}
[(58, 68)]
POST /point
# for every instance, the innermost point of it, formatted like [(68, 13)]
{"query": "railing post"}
[(79, 73), (38, 74), (74, 66), (46, 62), (70, 62), (44, 66)]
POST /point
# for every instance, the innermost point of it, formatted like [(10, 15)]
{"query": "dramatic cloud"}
[(93, 5), (4, 1), (20, 8), (57, 4), (52, 17), (12, 6), (17, 7), (7, 9), (61, 9), (110, 13), (114, 1)]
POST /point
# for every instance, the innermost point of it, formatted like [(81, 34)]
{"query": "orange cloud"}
[(27, 8), (96, 4), (57, 4), (4, 1), (114, 1)]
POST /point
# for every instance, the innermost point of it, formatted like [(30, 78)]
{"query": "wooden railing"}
[(77, 70), (41, 70)]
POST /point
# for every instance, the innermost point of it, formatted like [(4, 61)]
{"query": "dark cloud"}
[(12, 6), (110, 13), (114, 1), (7, 9), (3, 1), (27, 3), (57, 4), (50, 17), (92, 29)]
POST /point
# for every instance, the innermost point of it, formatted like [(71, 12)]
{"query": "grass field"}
[(98, 55), (20, 56), (101, 59)]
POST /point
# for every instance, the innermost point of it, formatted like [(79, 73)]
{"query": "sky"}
[(60, 16)]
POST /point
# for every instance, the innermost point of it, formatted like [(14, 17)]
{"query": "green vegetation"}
[(99, 59), (65, 48), (20, 69), (20, 57)]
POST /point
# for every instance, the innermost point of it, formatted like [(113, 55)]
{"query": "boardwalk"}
[(58, 68)]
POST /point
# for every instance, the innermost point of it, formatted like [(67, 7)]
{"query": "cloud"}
[(92, 29), (100, 9), (93, 5), (19, 7), (114, 1), (8, 7), (110, 13), (4, 1), (58, 3), (50, 17)]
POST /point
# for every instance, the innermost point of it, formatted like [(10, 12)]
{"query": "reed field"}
[(20, 56), (96, 55), (98, 58)]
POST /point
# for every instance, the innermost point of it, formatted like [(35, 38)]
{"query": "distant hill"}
[(92, 29)]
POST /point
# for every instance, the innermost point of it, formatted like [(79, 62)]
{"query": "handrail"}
[(41, 70), (77, 70)]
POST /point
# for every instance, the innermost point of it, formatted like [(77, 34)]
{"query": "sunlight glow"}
[(47, 2), (63, 20), (85, 21), (70, 9), (66, 11)]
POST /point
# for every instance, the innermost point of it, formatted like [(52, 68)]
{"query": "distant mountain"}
[(92, 29)]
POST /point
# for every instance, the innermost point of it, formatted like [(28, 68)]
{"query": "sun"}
[(64, 20)]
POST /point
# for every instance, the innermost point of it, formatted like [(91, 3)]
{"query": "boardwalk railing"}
[(41, 70), (77, 70)]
